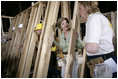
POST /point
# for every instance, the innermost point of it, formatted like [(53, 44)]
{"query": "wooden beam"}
[(65, 12), (35, 5), (17, 35), (70, 57), (26, 42), (5, 52), (41, 41), (11, 46), (114, 26), (19, 43), (32, 44), (83, 64), (13, 50), (9, 34), (48, 40), (2, 28), (6, 16)]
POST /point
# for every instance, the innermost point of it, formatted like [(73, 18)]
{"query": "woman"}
[(99, 33), (63, 44)]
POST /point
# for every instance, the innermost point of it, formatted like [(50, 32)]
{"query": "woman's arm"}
[(80, 43), (57, 44)]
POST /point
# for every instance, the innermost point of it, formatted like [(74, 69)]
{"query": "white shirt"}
[(99, 30)]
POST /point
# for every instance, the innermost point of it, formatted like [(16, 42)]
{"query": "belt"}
[(104, 56), (65, 52)]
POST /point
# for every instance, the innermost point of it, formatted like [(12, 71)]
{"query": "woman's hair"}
[(91, 6), (60, 21)]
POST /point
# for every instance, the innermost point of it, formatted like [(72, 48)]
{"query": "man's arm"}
[(91, 47)]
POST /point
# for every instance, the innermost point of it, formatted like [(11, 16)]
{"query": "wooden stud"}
[(9, 34), (83, 64), (34, 38), (4, 53), (11, 46), (114, 25), (6, 16), (26, 42), (70, 57), (13, 50), (48, 40), (65, 9), (19, 42), (40, 42)]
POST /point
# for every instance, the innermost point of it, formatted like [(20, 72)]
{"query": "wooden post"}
[(83, 64), (13, 34), (48, 40), (17, 36), (41, 41), (11, 46), (65, 12), (9, 34), (114, 25), (5, 52), (70, 57), (2, 28), (115, 29), (34, 38), (26, 42), (19, 43), (13, 50)]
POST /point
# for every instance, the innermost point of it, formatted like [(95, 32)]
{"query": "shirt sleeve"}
[(57, 44), (93, 29), (80, 43)]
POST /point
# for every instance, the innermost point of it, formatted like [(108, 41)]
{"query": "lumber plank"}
[(40, 42), (34, 38), (10, 34), (83, 64), (2, 27), (70, 57), (4, 52), (11, 46), (18, 36), (6, 16), (65, 9), (26, 42), (48, 40), (13, 50), (19, 43), (114, 25)]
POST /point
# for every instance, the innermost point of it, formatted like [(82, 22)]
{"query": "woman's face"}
[(64, 25), (83, 12)]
